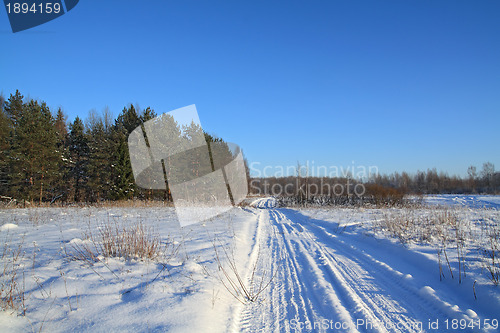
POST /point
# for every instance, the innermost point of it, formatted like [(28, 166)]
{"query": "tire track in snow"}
[(294, 293), (369, 301), (417, 302), (322, 278), (284, 296), (327, 304)]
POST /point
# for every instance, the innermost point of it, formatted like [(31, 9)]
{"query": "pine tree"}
[(12, 111), (147, 114), (123, 186), (129, 119), (122, 177), (14, 108), (61, 187), (78, 150), (100, 165), (34, 156), (61, 127), (166, 136), (5, 130), (52, 159)]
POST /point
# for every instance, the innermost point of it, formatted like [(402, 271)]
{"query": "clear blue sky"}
[(402, 85)]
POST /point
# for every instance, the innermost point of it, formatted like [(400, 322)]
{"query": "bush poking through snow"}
[(114, 240)]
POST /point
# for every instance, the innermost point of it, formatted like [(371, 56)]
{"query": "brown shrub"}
[(382, 195)]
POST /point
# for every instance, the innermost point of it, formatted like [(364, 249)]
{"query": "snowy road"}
[(323, 283)]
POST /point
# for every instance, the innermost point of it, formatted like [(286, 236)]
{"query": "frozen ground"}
[(471, 201), (304, 269)]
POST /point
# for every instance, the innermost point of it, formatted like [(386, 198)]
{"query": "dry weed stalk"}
[(244, 290), (12, 291)]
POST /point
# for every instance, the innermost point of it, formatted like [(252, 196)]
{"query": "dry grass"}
[(106, 204), (132, 204), (491, 253), (453, 233), (114, 240), (410, 225), (12, 294)]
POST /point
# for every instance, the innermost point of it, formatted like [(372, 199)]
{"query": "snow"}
[(8, 226), (264, 203), (472, 201), (315, 269)]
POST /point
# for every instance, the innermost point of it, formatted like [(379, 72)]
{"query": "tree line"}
[(378, 189), (484, 181), (45, 159)]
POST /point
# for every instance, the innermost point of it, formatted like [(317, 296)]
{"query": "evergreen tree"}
[(5, 130), (147, 114), (61, 127), (123, 183), (100, 165), (128, 119), (34, 157), (78, 150), (123, 186), (61, 187), (14, 108), (167, 134)]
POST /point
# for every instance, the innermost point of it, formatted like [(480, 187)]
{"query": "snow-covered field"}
[(257, 268)]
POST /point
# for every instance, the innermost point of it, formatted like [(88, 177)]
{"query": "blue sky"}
[(401, 85)]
